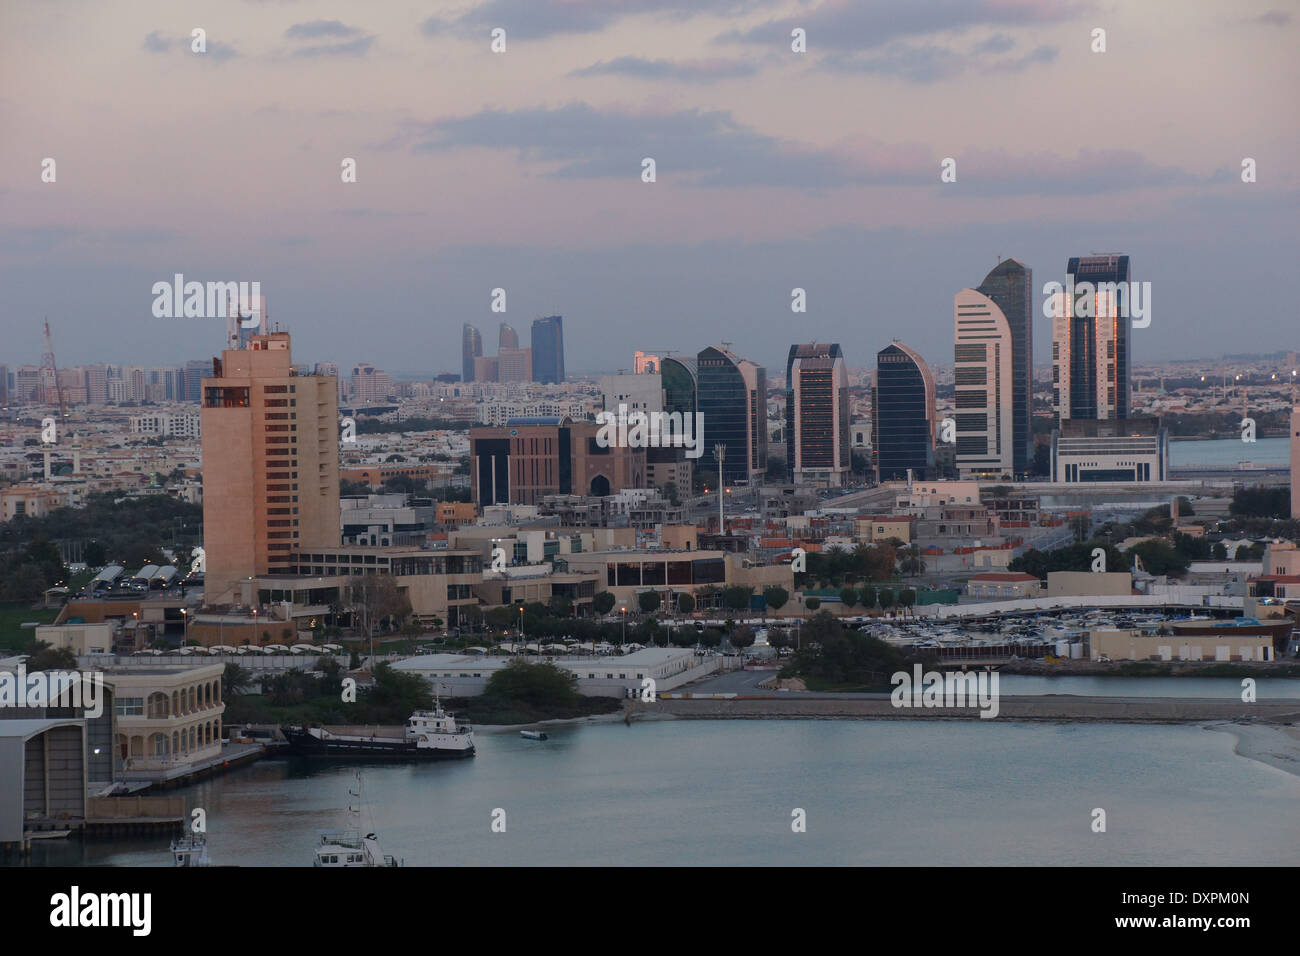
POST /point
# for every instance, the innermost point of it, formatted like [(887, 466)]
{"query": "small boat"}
[(190, 850), (534, 734), (341, 848)]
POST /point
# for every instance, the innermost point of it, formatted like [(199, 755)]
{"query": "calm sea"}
[(1228, 452), (723, 792)]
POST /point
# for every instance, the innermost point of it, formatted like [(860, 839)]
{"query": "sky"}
[(523, 170)]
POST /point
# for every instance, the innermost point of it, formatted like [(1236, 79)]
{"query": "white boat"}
[(190, 850), (533, 734), (340, 848)]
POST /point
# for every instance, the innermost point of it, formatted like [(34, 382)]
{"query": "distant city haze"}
[(522, 170)]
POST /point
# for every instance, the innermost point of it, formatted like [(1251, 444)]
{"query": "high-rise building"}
[(270, 464), (679, 381), (487, 368), (4, 384), (369, 384), (817, 415), (507, 338), (1010, 286), (514, 365), (471, 347), (548, 349), (644, 363), (902, 414), (732, 396), (982, 374), (1090, 340), (194, 373)]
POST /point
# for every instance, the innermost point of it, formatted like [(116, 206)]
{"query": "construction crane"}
[(48, 365)]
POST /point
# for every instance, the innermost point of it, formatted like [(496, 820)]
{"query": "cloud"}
[(543, 18), (688, 71), (998, 43), (321, 28), (711, 149), (929, 63), (357, 47), (217, 51), (848, 26)]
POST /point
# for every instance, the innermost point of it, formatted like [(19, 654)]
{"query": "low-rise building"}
[(1138, 645)]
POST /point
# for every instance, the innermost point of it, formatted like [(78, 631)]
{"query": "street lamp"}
[(623, 641), (185, 626)]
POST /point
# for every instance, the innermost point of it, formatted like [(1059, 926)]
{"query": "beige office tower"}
[(984, 397), (1295, 462), (270, 464)]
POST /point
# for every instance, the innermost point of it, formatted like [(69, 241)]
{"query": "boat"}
[(428, 735), (341, 848), (190, 850), (534, 734)]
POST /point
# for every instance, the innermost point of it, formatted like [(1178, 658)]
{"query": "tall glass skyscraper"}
[(548, 349), (1090, 347), (471, 347), (817, 414), (1010, 285), (902, 414), (732, 397)]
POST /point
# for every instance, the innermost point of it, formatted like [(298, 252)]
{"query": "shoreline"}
[(1274, 745)]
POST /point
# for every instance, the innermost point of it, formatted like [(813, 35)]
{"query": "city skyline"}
[(763, 184)]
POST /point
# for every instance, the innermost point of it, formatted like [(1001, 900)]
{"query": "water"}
[(1221, 688), (722, 793), (1227, 452)]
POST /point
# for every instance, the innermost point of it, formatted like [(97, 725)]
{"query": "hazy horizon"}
[(522, 170)]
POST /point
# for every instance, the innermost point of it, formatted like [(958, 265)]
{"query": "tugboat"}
[(429, 735), (534, 734), (190, 850)]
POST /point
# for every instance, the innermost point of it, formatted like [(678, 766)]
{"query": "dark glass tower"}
[(471, 347), (548, 350), (1098, 360), (678, 377), (902, 414), (732, 396), (818, 437), (1010, 286)]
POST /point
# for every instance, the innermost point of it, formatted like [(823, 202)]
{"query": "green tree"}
[(736, 597), (849, 597), (44, 657), (741, 638), (812, 603), (907, 599), (867, 597), (649, 601), (886, 598), (538, 685), (685, 602), (235, 680), (776, 597), (603, 602), (396, 694)]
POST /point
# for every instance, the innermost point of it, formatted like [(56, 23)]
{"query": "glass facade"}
[(548, 350), (902, 415), (1010, 286), (724, 401)]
